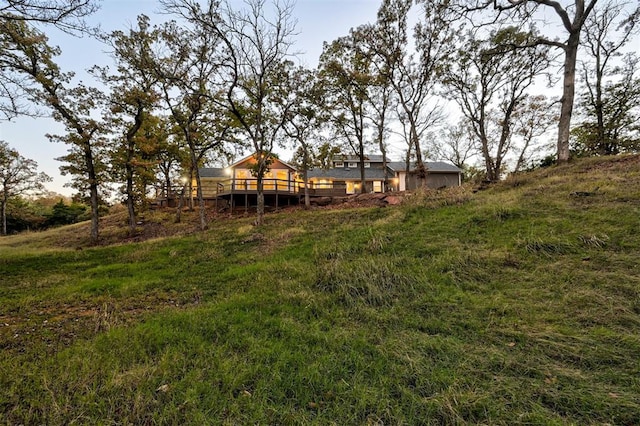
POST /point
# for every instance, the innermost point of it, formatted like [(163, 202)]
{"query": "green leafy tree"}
[(188, 72), (345, 69), (305, 120), (611, 126), (66, 15), (524, 13), (133, 98), (489, 81), (610, 28), (18, 176), (256, 44), (33, 59), (65, 214)]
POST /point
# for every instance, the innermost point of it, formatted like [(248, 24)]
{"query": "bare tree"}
[(67, 15), (531, 120), (455, 144)]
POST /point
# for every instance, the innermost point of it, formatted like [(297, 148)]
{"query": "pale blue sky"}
[(318, 21)]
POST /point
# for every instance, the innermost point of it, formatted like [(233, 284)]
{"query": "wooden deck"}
[(244, 192)]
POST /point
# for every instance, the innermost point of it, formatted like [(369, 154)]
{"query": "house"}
[(238, 186), (439, 175), (344, 175), (282, 184)]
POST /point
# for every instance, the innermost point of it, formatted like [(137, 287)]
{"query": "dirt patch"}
[(51, 327)]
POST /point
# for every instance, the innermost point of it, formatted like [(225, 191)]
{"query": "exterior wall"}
[(435, 180), (439, 180), (402, 181), (280, 177)]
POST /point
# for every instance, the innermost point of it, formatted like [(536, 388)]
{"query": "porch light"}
[(228, 171)]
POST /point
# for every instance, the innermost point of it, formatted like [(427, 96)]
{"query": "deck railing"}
[(270, 186)]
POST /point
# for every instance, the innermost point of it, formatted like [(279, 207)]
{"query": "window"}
[(353, 165), (367, 164), (338, 164), (377, 186)]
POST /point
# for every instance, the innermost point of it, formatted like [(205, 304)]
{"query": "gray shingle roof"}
[(213, 172), (374, 158), (349, 174), (432, 166)]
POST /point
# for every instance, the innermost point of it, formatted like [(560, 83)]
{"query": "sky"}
[(318, 21)]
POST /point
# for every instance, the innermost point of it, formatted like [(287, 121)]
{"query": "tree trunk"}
[(203, 216), (421, 170), (180, 204), (568, 95), (307, 199), (93, 192), (260, 207), (363, 179), (305, 175), (130, 200), (3, 213)]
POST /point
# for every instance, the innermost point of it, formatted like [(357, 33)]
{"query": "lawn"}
[(519, 304)]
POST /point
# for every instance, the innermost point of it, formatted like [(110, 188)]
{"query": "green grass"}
[(516, 305)]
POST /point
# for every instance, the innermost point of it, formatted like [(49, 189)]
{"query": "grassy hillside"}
[(519, 304)]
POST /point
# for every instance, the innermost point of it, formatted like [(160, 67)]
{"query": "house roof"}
[(251, 156), (342, 173), (376, 158), (432, 167), (212, 172)]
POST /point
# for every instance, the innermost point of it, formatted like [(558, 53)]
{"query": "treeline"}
[(26, 214), (219, 79)]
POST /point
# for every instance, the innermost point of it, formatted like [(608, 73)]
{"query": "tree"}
[(32, 57), (573, 18), (134, 96), (455, 144), (345, 69), (304, 120), (188, 71), (66, 15), (257, 44), (63, 214), (610, 126), (489, 81), (18, 176), (531, 120), (607, 32), (415, 76)]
